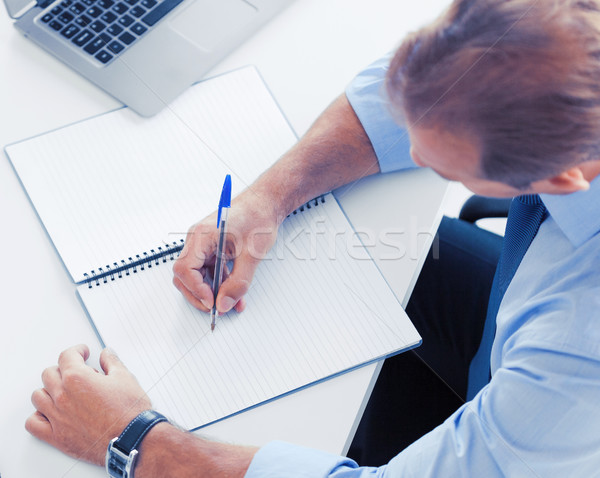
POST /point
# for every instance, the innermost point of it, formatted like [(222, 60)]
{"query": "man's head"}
[(516, 82)]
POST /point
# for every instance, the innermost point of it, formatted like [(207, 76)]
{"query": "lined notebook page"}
[(117, 185), (318, 306)]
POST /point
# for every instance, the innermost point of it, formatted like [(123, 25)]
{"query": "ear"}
[(567, 182)]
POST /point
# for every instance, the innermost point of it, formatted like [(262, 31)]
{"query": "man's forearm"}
[(169, 452), (335, 151)]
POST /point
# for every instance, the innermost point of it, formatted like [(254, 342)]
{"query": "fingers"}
[(110, 362), (39, 426), (237, 284), (73, 357), (42, 401), (78, 406), (189, 269), (202, 299), (234, 287), (248, 240), (51, 379), (200, 246), (241, 305)]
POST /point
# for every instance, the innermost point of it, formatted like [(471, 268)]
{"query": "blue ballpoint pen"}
[(220, 260)]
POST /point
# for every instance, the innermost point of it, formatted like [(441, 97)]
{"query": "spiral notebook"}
[(116, 194)]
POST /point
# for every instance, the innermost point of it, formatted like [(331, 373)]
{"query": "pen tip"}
[(212, 327)]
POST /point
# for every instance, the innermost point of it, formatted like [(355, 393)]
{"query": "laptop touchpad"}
[(207, 22)]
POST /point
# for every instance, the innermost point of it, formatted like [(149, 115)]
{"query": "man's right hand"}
[(335, 151), (251, 231)]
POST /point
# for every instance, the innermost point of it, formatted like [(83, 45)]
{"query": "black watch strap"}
[(122, 452)]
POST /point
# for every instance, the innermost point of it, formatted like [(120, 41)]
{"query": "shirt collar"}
[(577, 214)]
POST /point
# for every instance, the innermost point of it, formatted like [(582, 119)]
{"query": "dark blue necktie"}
[(524, 218)]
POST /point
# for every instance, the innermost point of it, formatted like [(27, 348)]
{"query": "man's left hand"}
[(79, 410)]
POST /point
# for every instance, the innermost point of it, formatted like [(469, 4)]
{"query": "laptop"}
[(143, 52)]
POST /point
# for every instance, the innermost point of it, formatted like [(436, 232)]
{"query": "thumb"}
[(110, 362), (237, 284)]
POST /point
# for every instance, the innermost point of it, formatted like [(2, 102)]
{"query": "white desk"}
[(306, 55)]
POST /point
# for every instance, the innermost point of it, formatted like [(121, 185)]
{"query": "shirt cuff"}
[(282, 460), (367, 96)]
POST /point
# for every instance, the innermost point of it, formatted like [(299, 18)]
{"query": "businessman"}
[(501, 95)]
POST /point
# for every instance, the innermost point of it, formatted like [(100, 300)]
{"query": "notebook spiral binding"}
[(164, 253), (309, 205)]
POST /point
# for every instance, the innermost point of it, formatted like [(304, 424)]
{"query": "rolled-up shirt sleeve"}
[(366, 94)]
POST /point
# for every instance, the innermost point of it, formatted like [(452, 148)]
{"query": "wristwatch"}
[(122, 453)]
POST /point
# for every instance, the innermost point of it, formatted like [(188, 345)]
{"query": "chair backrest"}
[(481, 207)]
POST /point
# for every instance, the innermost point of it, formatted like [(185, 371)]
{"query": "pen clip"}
[(225, 200)]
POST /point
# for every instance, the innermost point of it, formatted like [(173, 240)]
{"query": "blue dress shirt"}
[(540, 414)]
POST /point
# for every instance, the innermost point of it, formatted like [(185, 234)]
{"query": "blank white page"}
[(318, 306), (118, 185)]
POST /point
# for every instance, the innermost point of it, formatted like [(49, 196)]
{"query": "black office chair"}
[(480, 207)]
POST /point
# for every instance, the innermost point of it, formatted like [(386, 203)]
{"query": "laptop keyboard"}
[(104, 29)]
